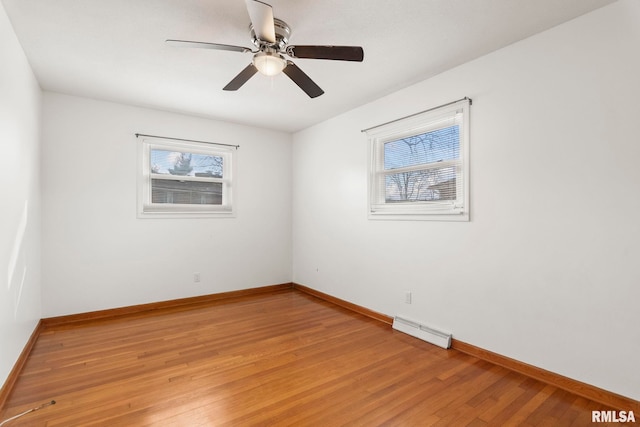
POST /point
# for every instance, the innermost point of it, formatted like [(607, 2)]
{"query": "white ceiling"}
[(114, 49)]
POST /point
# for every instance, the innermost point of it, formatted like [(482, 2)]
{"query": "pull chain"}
[(53, 402)]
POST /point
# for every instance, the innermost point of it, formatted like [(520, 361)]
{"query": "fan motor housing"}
[(283, 32)]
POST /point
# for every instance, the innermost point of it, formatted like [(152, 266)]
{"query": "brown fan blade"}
[(204, 45), (241, 78), (302, 80), (338, 53), (261, 15)]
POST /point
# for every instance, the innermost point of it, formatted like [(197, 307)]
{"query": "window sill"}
[(454, 217), (186, 214)]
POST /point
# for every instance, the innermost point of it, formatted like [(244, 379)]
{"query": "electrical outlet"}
[(407, 297), (196, 277)]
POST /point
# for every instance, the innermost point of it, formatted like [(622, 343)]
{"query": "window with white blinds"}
[(419, 166), (184, 179)]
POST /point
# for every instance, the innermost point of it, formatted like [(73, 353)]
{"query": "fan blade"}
[(241, 78), (261, 15), (302, 80), (203, 45), (338, 53)]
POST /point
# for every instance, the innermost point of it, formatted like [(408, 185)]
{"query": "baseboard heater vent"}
[(425, 333)]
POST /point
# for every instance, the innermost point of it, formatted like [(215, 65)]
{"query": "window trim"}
[(416, 124), (147, 209)]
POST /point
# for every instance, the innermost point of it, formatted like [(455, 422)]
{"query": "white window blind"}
[(419, 166), (179, 178)]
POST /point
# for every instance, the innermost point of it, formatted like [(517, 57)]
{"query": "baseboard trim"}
[(345, 304), (7, 387), (77, 319), (161, 305), (585, 390), (596, 394), (588, 391)]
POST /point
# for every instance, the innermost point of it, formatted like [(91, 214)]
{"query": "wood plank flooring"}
[(281, 359)]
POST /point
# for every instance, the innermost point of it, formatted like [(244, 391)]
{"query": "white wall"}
[(20, 105), (98, 255), (547, 269)]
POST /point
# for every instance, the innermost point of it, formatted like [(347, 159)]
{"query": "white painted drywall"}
[(98, 255), (547, 271), (20, 106)]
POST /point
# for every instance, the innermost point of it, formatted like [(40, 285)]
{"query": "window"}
[(185, 179), (419, 166)]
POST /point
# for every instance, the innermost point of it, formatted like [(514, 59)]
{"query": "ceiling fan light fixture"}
[(268, 63), (270, 37)]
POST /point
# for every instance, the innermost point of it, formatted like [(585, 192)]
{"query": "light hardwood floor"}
[(283, 358)]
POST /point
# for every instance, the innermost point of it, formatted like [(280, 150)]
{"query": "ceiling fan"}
[(270, 36)]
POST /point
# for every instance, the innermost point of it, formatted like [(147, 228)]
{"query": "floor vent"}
[(425, 333)]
